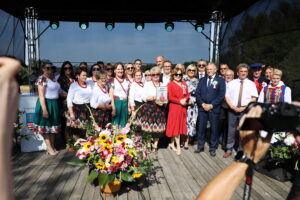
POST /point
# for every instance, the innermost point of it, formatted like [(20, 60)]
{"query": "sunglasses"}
[(191, 70), (96, 69), (201, 65), (66, 68), (129, 68), (109, 69), (155, 74), (147, 74), (177, 74), (49, 68)]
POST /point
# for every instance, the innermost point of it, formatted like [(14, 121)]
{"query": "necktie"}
[(201, 75), (240, 94), (209, 81)]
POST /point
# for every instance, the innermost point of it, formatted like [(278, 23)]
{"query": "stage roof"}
[(128, 11)]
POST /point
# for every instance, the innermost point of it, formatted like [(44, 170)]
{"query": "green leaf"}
[(76, 162), (81, 168), (127, 177), (103, 179), (93, 175)]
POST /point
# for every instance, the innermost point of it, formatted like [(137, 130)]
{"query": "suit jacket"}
[(198, 76), (213, 94)]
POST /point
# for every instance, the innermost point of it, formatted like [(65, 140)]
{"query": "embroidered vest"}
[(274, 95)]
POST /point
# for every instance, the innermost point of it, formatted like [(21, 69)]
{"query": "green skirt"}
[(121, 117), (52, 123)]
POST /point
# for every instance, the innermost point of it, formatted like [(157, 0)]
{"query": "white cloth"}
[(135, 93), (118, 90), (91, 82), (287, 93), (149, 90), (99, 97), (78, 94), (212, 78), (166, 79), (203, 74), (233, 89), (52, 89)]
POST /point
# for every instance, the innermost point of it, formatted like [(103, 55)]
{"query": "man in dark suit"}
[(210, 94), (201, 65)]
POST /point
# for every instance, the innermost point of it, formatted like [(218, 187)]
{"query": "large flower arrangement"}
[(285, 148), (113, 156)]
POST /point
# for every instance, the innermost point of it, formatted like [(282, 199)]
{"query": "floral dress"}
[(192, 111)]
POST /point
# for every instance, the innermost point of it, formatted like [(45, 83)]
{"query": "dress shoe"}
[(212, 153), (226, 155), (199, 150), (186, 148)]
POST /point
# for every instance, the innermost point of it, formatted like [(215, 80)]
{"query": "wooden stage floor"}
[(40, 176)]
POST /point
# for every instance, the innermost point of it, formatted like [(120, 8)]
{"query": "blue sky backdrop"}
[(124, 43)]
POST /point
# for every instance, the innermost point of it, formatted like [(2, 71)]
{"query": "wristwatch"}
[(241, 156)]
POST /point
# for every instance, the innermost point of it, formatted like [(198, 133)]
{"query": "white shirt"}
[(118, 90), (203, 74), (149, 90), (91, 82), (166, 79), (135, 93), (52, 88), (233, 89), (99, 96), (79, 95), (287, 93)]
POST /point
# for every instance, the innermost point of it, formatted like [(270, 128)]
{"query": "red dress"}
[(177, 113)]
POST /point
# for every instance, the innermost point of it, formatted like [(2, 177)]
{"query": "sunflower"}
[(120, 139), (87, 146), (137, 175), (132, 152), (100, 165), (102, 138)]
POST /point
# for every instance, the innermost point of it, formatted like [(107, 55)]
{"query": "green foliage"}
[(271, 37)]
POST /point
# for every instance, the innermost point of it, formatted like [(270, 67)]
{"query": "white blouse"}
[(118, 90), (78, 94), (91, 81), (136, 92), (149, 90), (52, 88), (99, 96)]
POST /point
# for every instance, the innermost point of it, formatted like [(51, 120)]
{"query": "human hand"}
[(72, 116), (254, 145), (182, 102), (45, 114)]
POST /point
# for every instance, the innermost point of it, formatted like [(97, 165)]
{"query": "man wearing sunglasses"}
[(201, 68), (210, 94)]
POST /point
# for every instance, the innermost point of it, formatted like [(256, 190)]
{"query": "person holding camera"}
[(254, 148), (276, 91), (239, 93)]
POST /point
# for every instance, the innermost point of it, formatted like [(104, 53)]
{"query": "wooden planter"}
[(110, 189)]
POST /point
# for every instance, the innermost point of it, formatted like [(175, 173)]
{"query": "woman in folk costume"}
[(47, 121), (276, 91), (120, 89)]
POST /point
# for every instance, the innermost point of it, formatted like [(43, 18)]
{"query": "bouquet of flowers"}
[(113, 156), (285, 148)]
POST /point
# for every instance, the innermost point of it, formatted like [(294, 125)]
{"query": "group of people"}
[(197, 93)]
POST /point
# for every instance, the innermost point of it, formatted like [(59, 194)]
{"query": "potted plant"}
[(113, 157)]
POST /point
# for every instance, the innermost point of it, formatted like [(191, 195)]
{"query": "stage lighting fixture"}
[(139, 26), (169, 26), (109, 26), (83, 25), (54, 25), (199, 27)]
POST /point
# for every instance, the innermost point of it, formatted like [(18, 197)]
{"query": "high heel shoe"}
[(51, 154)]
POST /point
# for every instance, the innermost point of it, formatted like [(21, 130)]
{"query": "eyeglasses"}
[(96, 69), (66, 68), (201, 65), (155, 74), (109, 69), (129, 68), (191, 70), (147, 75), (177, 74)]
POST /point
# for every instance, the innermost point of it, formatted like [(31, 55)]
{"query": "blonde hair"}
[(191, 66), (147, 72), (277, 72), (181, 66), (155, 70), (136, 71)]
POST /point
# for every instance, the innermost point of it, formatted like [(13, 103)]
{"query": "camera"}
[(274, 118)]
